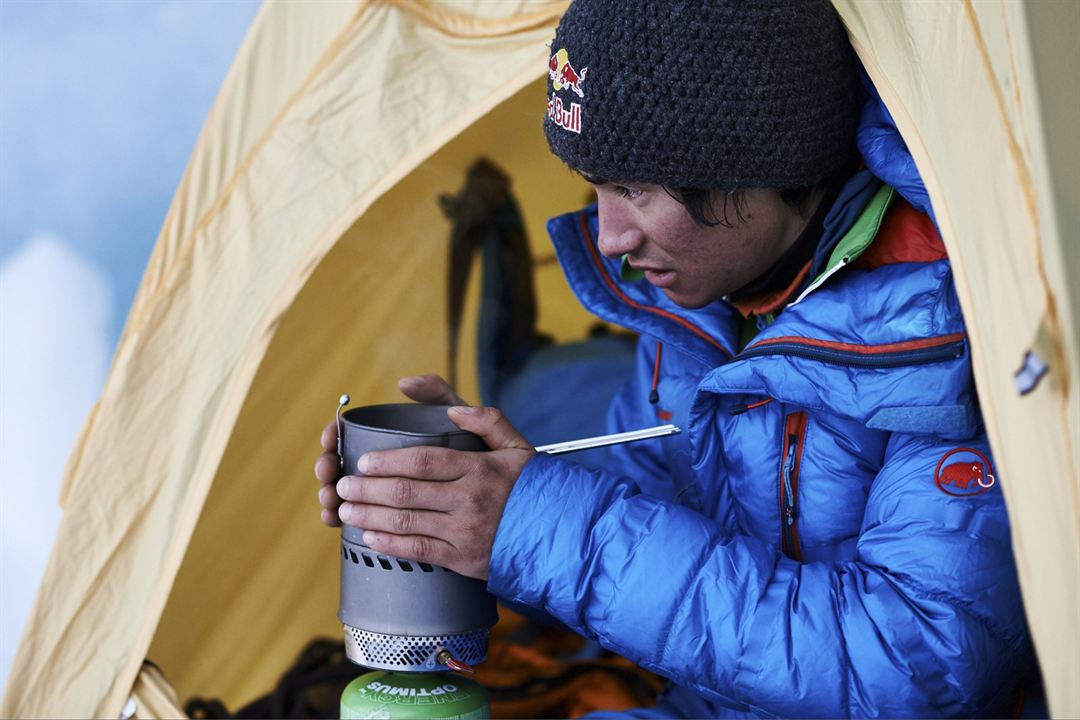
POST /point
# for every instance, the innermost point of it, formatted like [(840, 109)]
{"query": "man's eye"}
[(627, 192)]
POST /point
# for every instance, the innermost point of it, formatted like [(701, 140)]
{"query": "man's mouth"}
[(659, 278)]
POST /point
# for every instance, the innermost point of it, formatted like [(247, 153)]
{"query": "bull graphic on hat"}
[(563, 74)]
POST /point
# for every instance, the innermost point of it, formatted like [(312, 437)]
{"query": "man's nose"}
[(618, 234)]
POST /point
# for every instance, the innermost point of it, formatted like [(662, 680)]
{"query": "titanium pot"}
[(400, 614)]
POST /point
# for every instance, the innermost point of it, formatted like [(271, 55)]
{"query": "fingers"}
[(491, 425), (399, 478), (330, 502), (429, 389), (421, 462), (328, 498), (395, 492), (329, 436), (327, 467), (327, 471), (421, 549), (330, 518), (398, 521)]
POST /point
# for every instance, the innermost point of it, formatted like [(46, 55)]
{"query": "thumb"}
[(491, 425), (430, 390)]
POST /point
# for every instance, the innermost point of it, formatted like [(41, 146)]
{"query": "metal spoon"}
[(604, 440)]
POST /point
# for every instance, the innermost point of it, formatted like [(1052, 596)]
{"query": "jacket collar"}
[(828, 349), (707, 334), (883, 342), (711, 333)]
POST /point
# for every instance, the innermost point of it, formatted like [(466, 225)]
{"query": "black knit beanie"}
[(710, 94)]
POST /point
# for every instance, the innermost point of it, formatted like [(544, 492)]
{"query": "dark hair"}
[(709, 208), (701, 204)]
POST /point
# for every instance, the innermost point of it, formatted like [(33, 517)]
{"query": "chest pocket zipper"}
[(794, 436)]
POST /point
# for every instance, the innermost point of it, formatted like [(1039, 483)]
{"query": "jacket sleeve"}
[(925, 621)]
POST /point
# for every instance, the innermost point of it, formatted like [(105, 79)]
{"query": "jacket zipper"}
[(794, 434), (949, 349)]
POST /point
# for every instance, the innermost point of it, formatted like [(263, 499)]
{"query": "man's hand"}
[(427, 389), (328, 470), (433, 504)]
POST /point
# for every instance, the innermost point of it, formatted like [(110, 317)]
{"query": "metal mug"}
[(401, 614)]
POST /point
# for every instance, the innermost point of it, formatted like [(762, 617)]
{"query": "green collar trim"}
[(856, 239), (865, 229)]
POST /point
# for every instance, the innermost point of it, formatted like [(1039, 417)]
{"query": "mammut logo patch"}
[(964, 472)]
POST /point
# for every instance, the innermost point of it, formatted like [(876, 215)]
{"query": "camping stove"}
[(401, 614)]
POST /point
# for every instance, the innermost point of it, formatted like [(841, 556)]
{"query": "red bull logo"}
[(566, 118), (964, 472), (563, 74)]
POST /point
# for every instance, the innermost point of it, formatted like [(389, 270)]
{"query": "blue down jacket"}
[(820, 540)]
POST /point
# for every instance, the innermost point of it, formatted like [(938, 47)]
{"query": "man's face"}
[(692, 264)]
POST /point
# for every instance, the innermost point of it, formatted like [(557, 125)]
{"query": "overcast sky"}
[(101, 102)]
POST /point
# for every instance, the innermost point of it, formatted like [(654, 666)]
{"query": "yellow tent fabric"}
[(328, 106), (303, 256)]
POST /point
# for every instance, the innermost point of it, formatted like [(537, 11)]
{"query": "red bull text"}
[(569, 119)]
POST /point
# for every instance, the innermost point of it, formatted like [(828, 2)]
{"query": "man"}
[(827, 537)]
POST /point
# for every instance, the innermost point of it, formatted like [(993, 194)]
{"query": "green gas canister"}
[(423, 696)]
